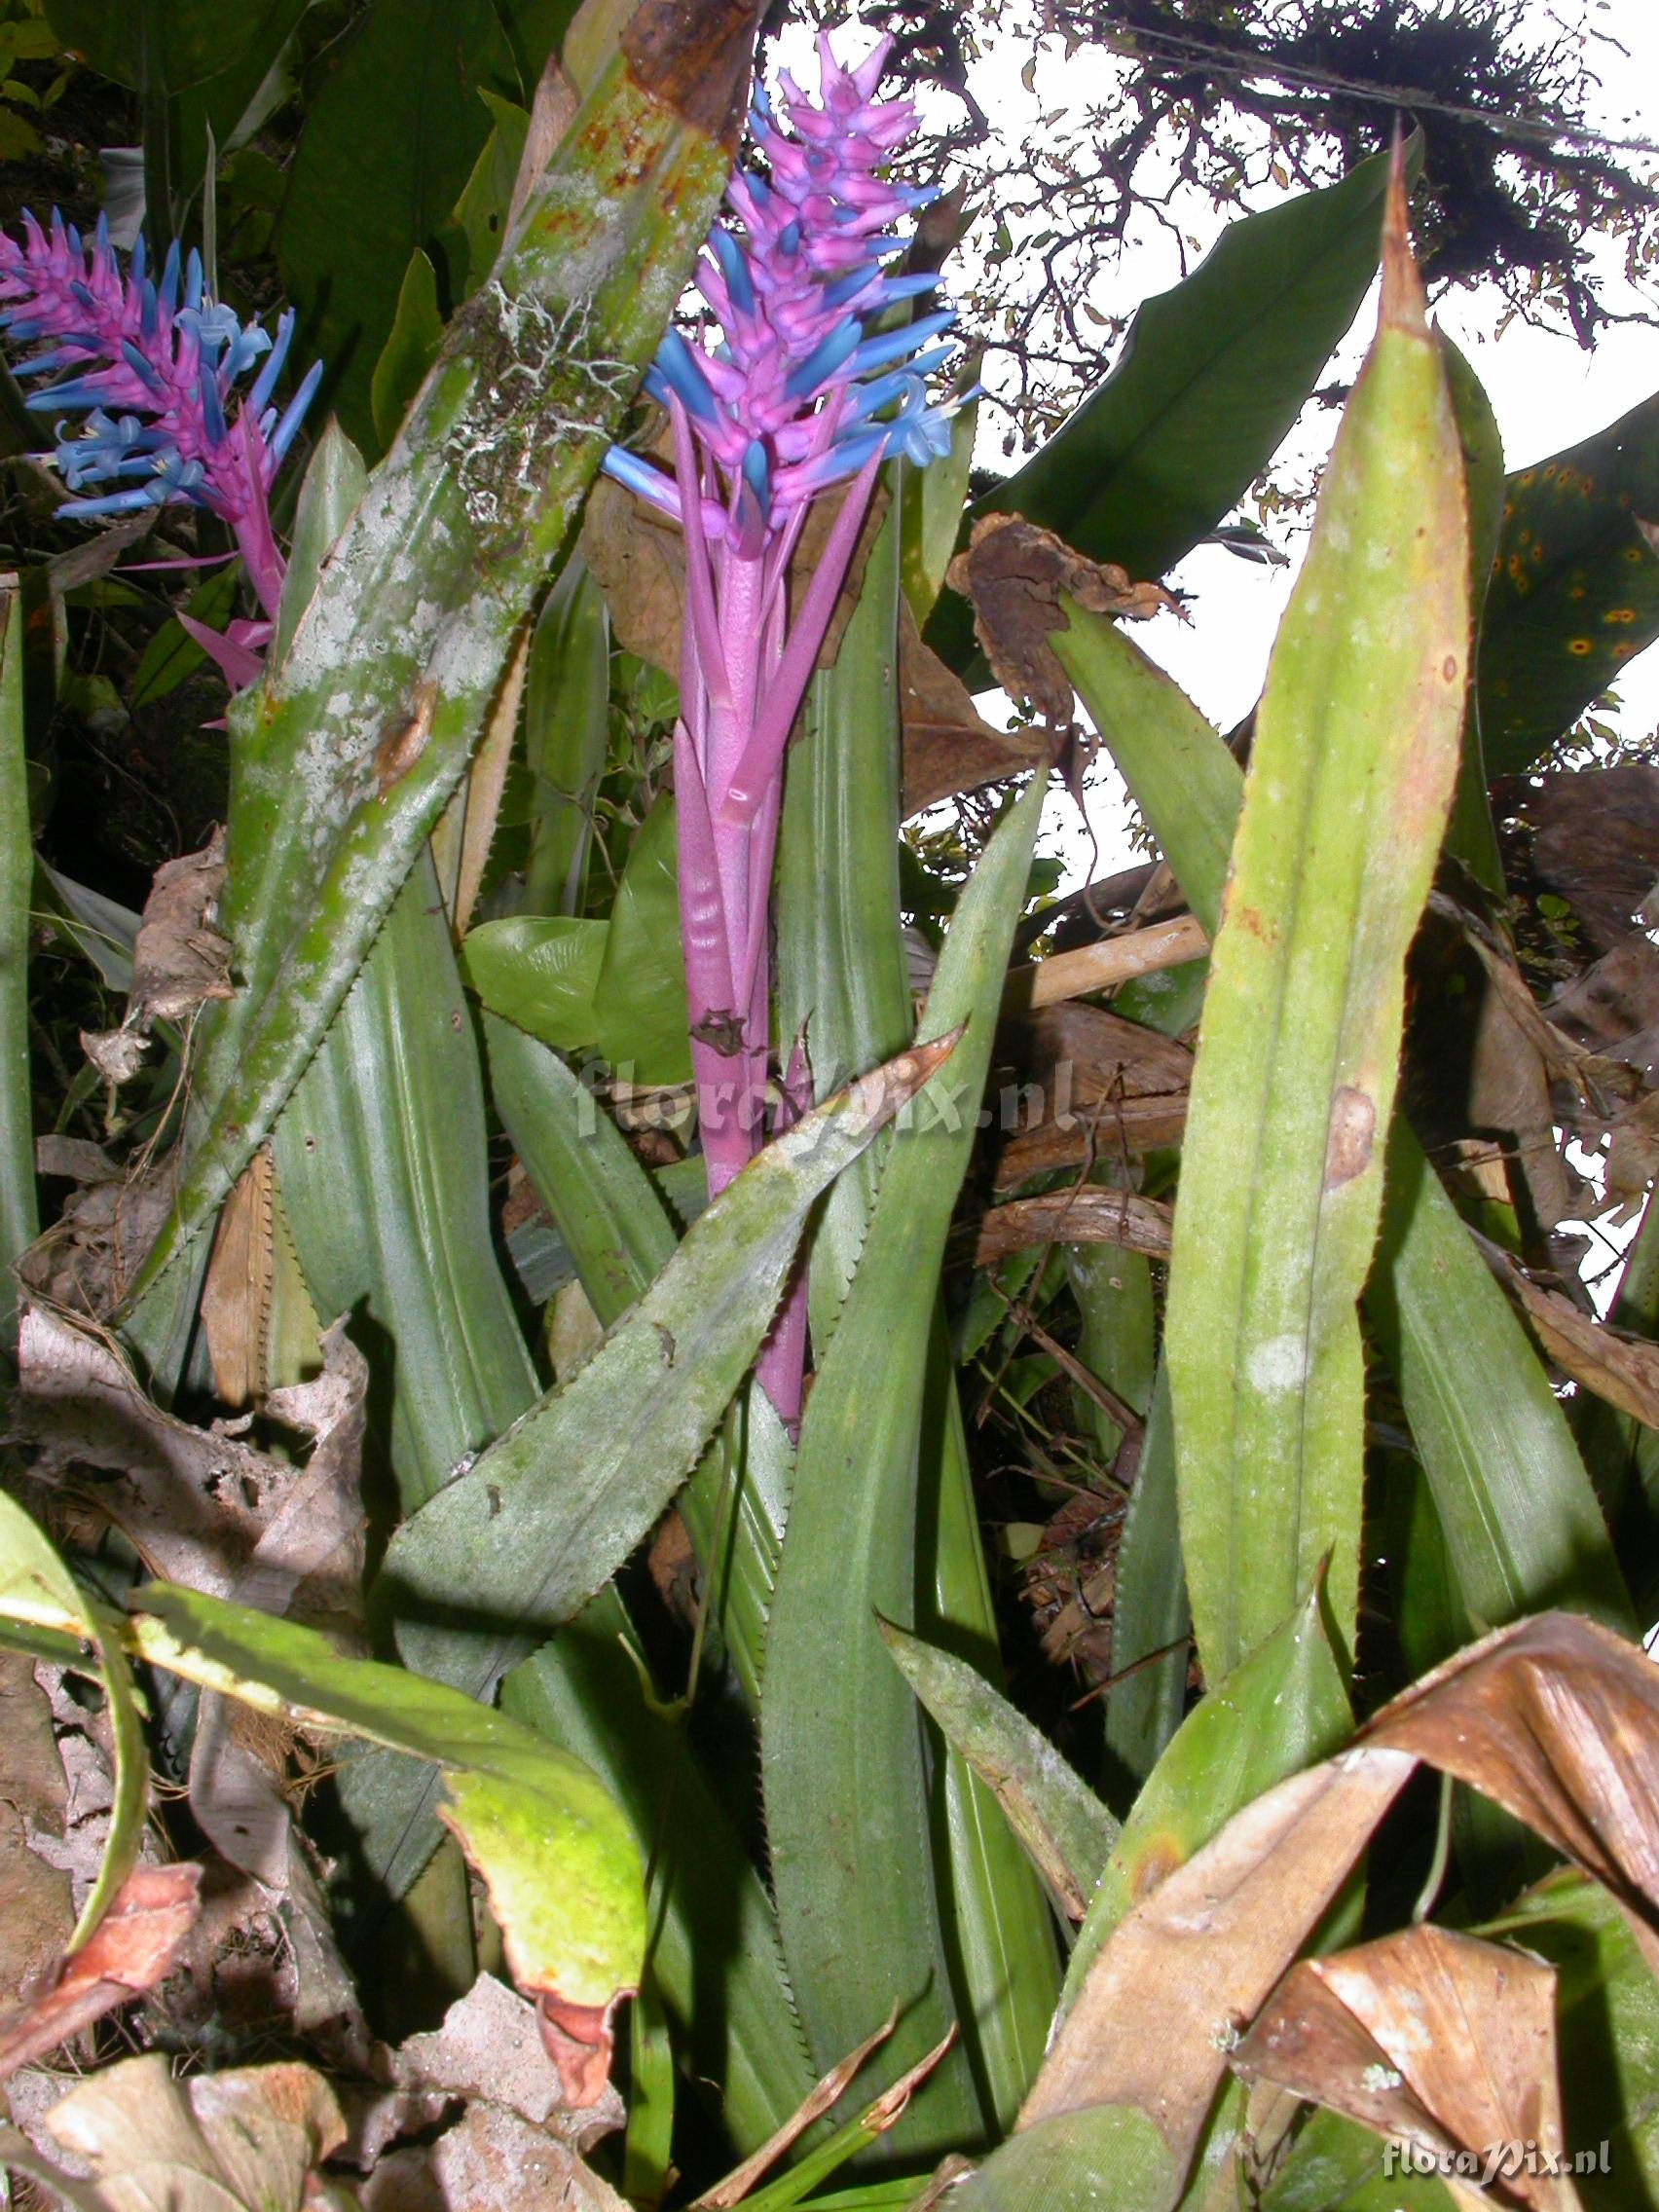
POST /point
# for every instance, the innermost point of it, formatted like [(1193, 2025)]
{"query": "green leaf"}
[(616, 986), (1608, 2020), (20, 1218), (1281, 1171), (1574, 590), (172, 653), (334, 483), (42, 1611), (1471, 835), (715, 1951), (615, 1219), (567, 728), (560, 1863), (539, 972), (1520, 1515), (1116, 1343), (482, 208), (341, 765), (392, 136), (640, 1001), (1058, 1818), (1279, 1711), (1108, 2154), (579, 1480), (176, 45), (841, 1760), (381, 1163), (1521, 1521), (1336, 2165), (929, 514), (1151, 1618), (410, 349)]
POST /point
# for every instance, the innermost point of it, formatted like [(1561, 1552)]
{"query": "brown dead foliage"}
[(1016, 574)]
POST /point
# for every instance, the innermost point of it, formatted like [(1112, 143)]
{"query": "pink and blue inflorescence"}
[(158, 372), (797, 395), (801, 394)]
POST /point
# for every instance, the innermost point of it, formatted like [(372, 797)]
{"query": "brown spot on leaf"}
[(1352, 1133)]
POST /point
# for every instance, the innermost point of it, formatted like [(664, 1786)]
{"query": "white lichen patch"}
[(1278, 1364)]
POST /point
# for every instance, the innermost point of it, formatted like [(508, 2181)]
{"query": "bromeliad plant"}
[(1330, 1352), (807, 390)]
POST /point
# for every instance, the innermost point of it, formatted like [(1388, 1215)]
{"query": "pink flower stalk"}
[(796, 399), (158, 377)]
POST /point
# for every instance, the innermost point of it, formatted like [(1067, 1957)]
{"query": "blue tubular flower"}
[(159, 369)]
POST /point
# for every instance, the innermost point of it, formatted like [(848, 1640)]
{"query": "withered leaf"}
[(1087, 1215), (249, 2136), (490, 2162), (1015, 573), (1556, 1718), (946, 745), (1436, 2039), (133, 1946), (1622, 1369), (202, 1507), (1109, 1086), (180, 960)]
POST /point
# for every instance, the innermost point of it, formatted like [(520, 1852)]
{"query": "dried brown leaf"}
[(1621, 1369), (1108, 1086), (946, 745), (1015, 574), (1556, 1718), (1187, 1969), (1436, 2039), (1596, 844), (252, 2136), (133, 1948), (1087, 1215), (1614, 1008), (200, 1507), (37, 1911), (180, 960), (235, 1296)]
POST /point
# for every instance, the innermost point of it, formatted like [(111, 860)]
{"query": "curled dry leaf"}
[(1620, 1368), (1086, 1215), (945, 745), (37, 1910), (1108, 1087), (1015, 574), (1556, 1720), (134, 1947), (1596, 844), (181, 960), (252, 2136), (200, 1507), (1436, 2039)]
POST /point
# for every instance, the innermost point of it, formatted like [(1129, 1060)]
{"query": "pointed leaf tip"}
[(1405, 305)]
